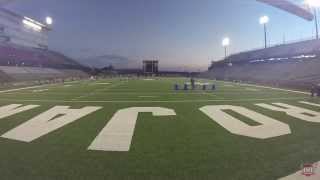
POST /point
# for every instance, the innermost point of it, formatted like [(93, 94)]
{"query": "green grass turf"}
[(186, 146)]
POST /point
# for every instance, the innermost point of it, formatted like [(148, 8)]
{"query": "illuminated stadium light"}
[(32, 25), (225, 42), (49, 20), (264, 20), (312, 3)]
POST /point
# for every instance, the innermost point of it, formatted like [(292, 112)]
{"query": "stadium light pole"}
[(264, 21), (316, 22), (314, 4), (225, 44)]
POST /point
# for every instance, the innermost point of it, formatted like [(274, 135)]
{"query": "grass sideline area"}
[(187, 146)]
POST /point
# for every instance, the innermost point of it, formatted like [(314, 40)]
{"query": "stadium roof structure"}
[(294, 50), (291, 8), (32, 21)]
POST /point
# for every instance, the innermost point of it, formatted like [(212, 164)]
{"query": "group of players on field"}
[(193, 86), (315, 90)]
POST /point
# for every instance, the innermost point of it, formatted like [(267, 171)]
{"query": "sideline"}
[(39, 86), (266, 87), (18, 89), (156, 101)]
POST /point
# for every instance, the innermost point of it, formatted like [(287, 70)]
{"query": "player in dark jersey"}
[(192, 81), (313, 90)]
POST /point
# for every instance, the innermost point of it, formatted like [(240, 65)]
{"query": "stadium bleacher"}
[(292, 65), (19, 63), (11, 73), (14, 55)]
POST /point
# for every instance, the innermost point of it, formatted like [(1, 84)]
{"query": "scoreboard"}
[(150, 66)]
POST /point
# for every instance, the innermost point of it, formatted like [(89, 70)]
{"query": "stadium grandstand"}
[(24, 52), (293, 65), (142, 114)]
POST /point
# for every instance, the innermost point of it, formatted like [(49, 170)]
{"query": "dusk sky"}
[(178, 32)]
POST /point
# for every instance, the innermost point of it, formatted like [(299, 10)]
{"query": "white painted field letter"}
[(309, 103), (47, 122), (294, 111), (269, 127), (117, 134), (12, 109)]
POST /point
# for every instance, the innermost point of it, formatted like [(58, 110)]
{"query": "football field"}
[(143, 129)]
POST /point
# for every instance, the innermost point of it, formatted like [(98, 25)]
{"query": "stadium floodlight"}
[(264, 21), (225, 44), (49, 20), (31, 24), (312, 3)]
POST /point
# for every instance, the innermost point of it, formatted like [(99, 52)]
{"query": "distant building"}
[(150, 66), (23, 31)]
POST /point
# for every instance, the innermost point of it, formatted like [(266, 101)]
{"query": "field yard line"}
[(267, 87), (155, 101), (32, 87), (97, 90), (147, 96), (18, 89)]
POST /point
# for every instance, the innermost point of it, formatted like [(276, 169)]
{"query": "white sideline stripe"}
[(18, 89), (102, 83), (157, 101), (298, 175), (252, 89), (147, 96), (40, 90), (267, 87), (153, 93), (309, 103)]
